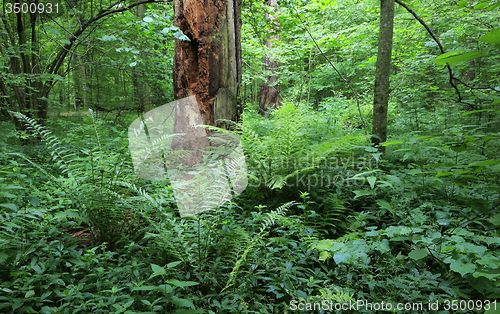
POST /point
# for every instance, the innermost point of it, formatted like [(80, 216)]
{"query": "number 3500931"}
[(24, 7)]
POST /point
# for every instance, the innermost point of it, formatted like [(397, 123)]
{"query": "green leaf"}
[(458, 148), (182, 302), (173, 264), (360, 193), (492, 37), (371, 181), (3, 257), (34, 201), (107, 38), (148, 19), (9, 206), (480, 110), (462, 3), (384, 204), (157, 271), (52, 30), (145, 288), (462, 268), (165, 289), (495, 220), (392, 143), (418, 254), (182, 284), (29, 294), (180, 35), (441, 60), (481, 5)]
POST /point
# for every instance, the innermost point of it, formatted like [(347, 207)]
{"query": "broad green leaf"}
[(495, 220), (3, 257), (182, 284), (480, 110), (34, 201), (182, 302), (9, 206), (157, 271), (29, 294), (148, 19), (481, 5), (51, 29), (173, 264), (384, 204), (371, 181), (180, 35), (418, 254), (462, 3), (145, 288), (462, 268), (459, 58), (360, 193), (165, 289), (458, 148), (492, 37), (340, 257), (108, 38), (450, 53), (485, 163), (392, 143)]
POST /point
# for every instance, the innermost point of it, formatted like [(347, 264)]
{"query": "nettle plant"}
[(429, 221)]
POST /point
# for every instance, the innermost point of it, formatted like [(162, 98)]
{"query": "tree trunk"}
[(381, 96), (269, 91), (208, 66)]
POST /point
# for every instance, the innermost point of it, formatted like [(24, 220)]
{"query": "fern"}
[(62, 158), (90, 181), (269, 221)]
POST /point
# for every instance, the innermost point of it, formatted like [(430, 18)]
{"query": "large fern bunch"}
[(89, 176), (291, 142)]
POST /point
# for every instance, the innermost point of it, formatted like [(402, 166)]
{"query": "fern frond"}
[(63, 159), (269, 221), (139, 191)]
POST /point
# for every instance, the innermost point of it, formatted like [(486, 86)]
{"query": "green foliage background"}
[(417, 224)]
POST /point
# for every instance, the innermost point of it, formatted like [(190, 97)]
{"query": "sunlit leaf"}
[(458, 58), (492, 37)]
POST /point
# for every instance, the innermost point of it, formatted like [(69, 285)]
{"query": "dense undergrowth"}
[(324, 217)]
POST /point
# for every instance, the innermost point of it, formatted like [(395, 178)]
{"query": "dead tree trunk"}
[(208, 66)]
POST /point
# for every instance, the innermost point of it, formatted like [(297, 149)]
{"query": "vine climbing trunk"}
[(382, 74), (208, 65)]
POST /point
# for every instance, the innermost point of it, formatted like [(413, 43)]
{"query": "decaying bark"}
[(208, 66)]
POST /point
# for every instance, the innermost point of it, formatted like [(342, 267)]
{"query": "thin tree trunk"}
[(382, 75), (269, 91)]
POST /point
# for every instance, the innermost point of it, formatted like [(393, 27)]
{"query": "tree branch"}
[(59, 59), (427, 28)]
